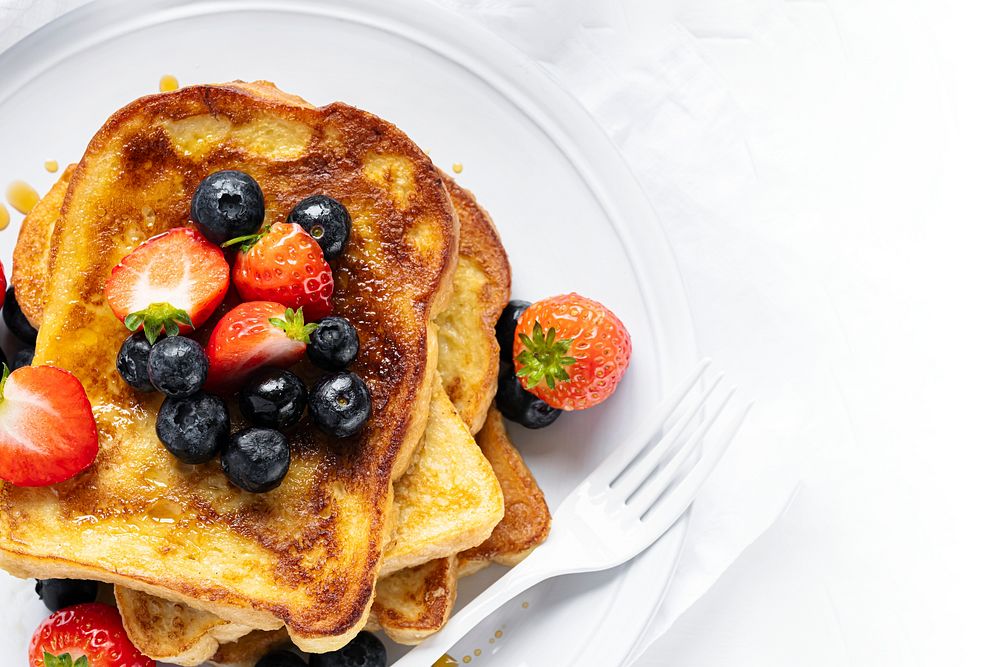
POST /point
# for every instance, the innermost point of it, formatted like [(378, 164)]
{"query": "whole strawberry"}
[(570, 351), (84, 635), (283, 263), (253, 335)]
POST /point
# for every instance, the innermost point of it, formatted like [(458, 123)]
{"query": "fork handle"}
[(532, 570)]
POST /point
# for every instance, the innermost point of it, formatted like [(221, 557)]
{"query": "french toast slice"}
[(173, 632), (304, 556)]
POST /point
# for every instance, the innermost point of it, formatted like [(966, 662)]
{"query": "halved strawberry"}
[(84, 635), (47, 429), (173, 280), (284, 263), (252, 335)]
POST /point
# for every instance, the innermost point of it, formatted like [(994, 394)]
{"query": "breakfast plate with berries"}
[(227, 319)]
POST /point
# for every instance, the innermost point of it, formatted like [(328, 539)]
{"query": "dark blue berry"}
[(133, 361), (281, 659), (193, 428), (58, 594), (340, 404), (23, 358), (273, 398), (177, 366), (15, 319), (256, 459), (505, 328), (326, 220), (518, 404), (365, 650), (227, 204), (333, 346)]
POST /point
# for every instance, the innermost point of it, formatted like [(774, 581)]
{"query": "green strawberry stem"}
[(3, 380), (248, 241), (64, 660), (544, 357), (294, 325), (157, 317)]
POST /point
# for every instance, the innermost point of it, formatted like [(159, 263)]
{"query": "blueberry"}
[(133, 361), (518, 404), (61, 593), (15, 319), (24, 357), (334, 344), (274, 398), (227, 204), (256, 459), (177, 366), (194, 428), (505, 328), (326, 220), (340, 404), (365, 650), (280, 659)]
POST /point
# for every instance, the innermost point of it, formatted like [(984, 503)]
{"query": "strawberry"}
[(3, 285), (251, 335), (173, 280), (84, 635), (570, 351), (47, 429), (284, 263)]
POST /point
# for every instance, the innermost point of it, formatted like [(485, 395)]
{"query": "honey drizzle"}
[(22, 196), (51, 166), (445, 661), (168, 83), (457, 167)]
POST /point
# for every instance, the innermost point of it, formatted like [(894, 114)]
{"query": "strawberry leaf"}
[(294, 325), (158, 317), (3, 380), (248, 241), (63, 660), (544, 357), (81, 661)]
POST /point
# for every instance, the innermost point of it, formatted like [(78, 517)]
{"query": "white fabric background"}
[(837, 231)]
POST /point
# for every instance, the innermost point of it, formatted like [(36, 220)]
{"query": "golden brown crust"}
[(414, 603), (526, 520), (30, 270), (172, 631), (186, 534), (469, 351)]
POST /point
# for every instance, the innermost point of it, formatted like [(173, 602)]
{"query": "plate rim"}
[(512, 74)]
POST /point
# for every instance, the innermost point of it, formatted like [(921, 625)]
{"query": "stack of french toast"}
[(371, 531)]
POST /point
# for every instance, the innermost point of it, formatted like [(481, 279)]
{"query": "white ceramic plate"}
[(571, 216)]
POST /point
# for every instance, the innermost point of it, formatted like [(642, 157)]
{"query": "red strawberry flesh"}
[(47, 428), (179, 270)]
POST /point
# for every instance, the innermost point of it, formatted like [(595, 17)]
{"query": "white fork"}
[(622, 508)]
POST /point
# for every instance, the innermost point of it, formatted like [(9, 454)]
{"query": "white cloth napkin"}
[(640, 75)]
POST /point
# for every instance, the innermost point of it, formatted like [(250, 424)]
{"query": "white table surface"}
[(845, 267)]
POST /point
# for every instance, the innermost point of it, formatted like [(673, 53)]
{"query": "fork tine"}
[(618, 460), (643, 465), (653, 486), (668, 506)]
